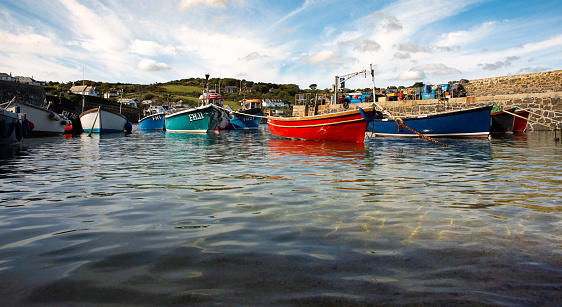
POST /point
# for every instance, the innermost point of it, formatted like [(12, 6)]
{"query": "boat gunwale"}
[(320, 125), (96, 109), (200, 108), (441, 114), (511, 110), (320, 116), (148, 116), (33, 106)]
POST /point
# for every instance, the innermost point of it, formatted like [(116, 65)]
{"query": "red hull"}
[(520, 124), (347, 126)]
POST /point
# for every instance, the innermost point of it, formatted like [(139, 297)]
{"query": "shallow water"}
[(244, 218)]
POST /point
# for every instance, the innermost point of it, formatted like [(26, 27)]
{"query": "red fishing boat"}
[(345, 126), (342, 126)]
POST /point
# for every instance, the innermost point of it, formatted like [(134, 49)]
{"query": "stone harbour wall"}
[(542, 82), (31, 93)]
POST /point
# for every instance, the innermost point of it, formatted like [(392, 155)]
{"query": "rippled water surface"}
[(244, 218)]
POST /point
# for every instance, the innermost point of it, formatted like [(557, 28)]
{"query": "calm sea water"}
[(243, 218)]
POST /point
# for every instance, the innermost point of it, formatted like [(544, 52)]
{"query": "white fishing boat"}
[(42, 121), (104, 121)]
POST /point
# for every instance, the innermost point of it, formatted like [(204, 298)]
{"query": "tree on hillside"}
[(313, 86)]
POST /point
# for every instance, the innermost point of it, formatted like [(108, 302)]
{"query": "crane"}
[(345, 78)]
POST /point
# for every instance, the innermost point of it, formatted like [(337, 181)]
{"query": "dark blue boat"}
[(246, 119), (474, 122), (153, 122)]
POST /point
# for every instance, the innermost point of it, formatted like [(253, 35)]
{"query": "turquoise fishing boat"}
[(201, 119)]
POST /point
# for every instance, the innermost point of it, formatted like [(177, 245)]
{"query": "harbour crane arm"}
[(351, 75)]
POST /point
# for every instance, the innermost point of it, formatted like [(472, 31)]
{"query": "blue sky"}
[(300, 42)]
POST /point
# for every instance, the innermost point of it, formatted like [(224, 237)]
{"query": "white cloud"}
[(411, 75), (365, 45), (322, 56), (151, 48), (184, 4), (151, 65), (99, 30), (392, 24), (401, 56), (530, 70), (422, 71), (253, 56), (463, 38), (499, 64)]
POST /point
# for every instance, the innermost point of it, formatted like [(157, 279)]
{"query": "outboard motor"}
[(128, 127)]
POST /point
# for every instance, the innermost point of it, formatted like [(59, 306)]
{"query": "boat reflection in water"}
[(335, 150)]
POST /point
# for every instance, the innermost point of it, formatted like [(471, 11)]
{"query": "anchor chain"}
[(401, 125)]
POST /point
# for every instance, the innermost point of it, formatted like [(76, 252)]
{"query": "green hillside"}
[(185, 90)]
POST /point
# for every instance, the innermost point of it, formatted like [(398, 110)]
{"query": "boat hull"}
[(347, 126), (10, 122), (200, 119), (520, 121), (102, 121), (43, 121), (246, 119), (502, 122), (462, 123), (153, 122), (72, 116)]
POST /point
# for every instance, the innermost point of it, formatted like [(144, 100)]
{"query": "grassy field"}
[(194, 100), (182, 88)]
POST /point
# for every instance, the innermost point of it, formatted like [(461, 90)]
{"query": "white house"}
[(274, 103), (130, 102), (85, 90), (28, 80), (230, 89), (6, 77), (112, 94)]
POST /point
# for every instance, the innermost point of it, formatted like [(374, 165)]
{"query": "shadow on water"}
[(9, 152)]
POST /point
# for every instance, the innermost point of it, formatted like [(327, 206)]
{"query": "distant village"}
[(92, 91)]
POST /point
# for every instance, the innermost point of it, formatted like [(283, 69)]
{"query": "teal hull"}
[(200, 119)]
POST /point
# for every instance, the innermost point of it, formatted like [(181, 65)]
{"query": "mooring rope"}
[(237, 112), (401, 125), (529, 119)]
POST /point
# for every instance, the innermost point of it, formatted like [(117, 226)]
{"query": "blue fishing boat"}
[(153, 122), (201, 119), (245, 119), (249, 116), (473, 122)]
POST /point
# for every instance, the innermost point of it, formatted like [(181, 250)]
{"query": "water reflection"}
[(316, 149), (242, 218)]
